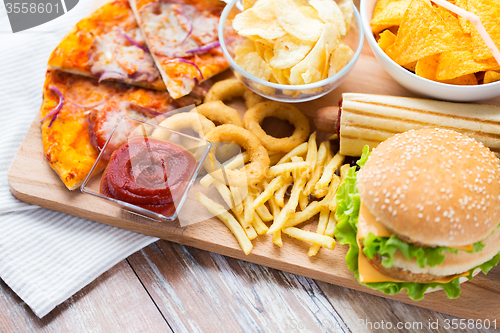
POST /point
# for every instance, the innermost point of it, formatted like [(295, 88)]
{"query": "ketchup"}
[(148, 173)]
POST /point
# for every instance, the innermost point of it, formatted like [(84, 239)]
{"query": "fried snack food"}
[(253, 206), (232, 88), (108, 45), (435, 43), (251, 173), (77, 116), (219, 113), (366, 119), (292, 42), (176, 122), (255, 115)]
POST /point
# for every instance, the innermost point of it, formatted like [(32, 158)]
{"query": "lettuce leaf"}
[(348, 203)]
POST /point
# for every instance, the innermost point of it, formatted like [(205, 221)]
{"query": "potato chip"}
[(253, 64), (309, 12), (489, 14), (459, 63), (422, 33), (346, 7), (388, 13), (246, 47), (291, 19), (491, 76), (387, 38), (329, 12), (258, 21), (289, 51), (339, 59), (315, 61)]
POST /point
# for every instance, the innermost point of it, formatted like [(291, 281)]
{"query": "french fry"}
[(332, 190), (333, 165), (275, 209), (258, 225), (312, 150), (322, 223), (268, 192), (264, 213), (237, 199), (343, 171), (225, 193), (280, 193), (300, 217), (312, 237), (332, 223), (285, 168), (233, 163), (303, 200), (293, 201), (249, 230), (318, 167), (228, 220), (248, 210), (297, 151)]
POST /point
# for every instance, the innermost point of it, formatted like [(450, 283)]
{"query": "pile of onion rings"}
[(255, 115), (253, 172), (232, 88)]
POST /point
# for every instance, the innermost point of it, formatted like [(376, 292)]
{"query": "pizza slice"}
[(182, 36), (78, 115), (108, 45)]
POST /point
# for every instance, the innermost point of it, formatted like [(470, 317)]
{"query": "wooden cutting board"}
[(32, 180)]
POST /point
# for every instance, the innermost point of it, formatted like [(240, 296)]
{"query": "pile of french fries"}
[(310, 172)]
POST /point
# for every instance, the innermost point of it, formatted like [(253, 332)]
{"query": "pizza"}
[(108, 45), (78, 114), (183, 39)]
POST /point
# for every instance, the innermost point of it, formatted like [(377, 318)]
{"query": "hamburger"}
[(422, 213)]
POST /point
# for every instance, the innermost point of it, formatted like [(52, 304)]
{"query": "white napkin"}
[(45, 256)]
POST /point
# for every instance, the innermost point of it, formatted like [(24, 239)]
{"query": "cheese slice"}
[(367, 272)]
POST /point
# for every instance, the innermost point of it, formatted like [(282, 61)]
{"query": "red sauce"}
[(148, 173)]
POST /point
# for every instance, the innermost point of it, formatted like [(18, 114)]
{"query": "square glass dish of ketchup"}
[(146, 169)]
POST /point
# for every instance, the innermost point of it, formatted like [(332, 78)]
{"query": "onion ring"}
[(229, 89), (254, 117), (251, 173), (176, 122), (219, 113)]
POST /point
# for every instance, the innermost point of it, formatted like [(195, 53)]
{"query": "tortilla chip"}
[(427, 68), (387, 38), (459, 63), (489, 14), (422, 33), (491, 76), (381, 27), (388, 13)]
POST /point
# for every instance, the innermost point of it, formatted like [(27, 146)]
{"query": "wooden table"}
[(168, 287)]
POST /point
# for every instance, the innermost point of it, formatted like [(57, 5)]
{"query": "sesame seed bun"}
[(433, 187)]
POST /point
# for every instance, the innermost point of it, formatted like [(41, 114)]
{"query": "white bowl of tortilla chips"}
[(274, 56), (411, 81)]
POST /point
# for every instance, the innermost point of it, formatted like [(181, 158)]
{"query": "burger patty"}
[(399, 273)]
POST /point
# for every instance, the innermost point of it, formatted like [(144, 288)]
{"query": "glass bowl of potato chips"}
[(432, 51), (293, 51)]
